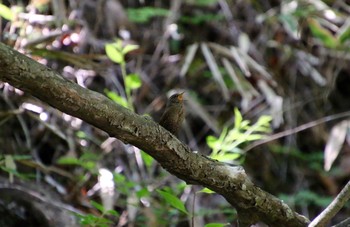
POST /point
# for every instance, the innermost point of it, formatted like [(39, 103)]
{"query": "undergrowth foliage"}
[(250, 70)]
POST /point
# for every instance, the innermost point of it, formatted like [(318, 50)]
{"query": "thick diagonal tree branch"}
[(252, 203)]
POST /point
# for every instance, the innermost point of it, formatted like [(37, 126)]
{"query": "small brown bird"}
[(174, 113)]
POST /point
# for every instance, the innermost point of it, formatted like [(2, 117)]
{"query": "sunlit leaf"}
[(6, 12), (263, 120), (81, 135), (133, 81), (227, 157), (129, 48), (117, 98), (206, 190), (147, 159), (212, 141), (118, 45), (238, 118), (114, 54), (322, 34)]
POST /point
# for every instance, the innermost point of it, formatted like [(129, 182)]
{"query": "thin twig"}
[(298, 129), (333, 208)]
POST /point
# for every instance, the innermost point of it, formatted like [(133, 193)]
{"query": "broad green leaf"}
[(114, 54), (322, 34), (133, 81), (129, 48), (173, 201), (6, 12)]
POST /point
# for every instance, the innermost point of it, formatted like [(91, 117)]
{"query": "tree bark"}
[(252, 203)]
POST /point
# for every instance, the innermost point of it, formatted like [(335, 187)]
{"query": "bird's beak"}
[(180, 97)]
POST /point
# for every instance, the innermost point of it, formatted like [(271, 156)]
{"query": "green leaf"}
[(173, 201), (147, 159), (117, 98), (129, 48), (118, 44), (97, 206), (89, 165), (238, 118), (119, 178), (216, 225), (21, 157), (206, 190), (68, 161), (9, 162), (226, 157), (212, 141), (322, 34), (6, 12), (264, 120), (201, 18), (344, 35), (133, 81), (290, 23), (81, 135), (142, 193), (114, 54), (144, 14), (113, 212), (205, 2)]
